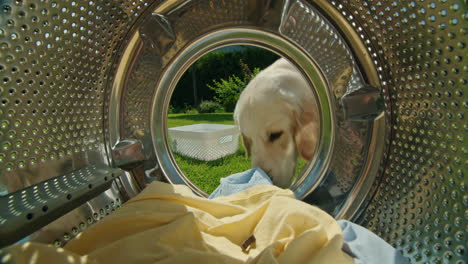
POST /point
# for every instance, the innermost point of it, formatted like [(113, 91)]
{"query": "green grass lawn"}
[(206, 174)]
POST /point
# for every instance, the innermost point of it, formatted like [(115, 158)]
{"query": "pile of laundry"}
[(246, 220)]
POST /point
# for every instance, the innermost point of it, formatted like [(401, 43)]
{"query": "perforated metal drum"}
[(85, 87)]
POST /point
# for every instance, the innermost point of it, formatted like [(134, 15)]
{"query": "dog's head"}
[(277, 119)]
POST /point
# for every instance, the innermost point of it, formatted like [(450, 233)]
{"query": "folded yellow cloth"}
[(169, 224)]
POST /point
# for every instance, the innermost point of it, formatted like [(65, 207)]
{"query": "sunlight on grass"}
[(206, 174)]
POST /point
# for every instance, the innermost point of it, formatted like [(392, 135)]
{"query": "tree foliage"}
[(217, 66)]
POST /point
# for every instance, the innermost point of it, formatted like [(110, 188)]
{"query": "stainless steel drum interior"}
[(85, 87)]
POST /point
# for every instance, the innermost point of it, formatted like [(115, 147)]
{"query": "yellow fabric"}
[(169, 224)]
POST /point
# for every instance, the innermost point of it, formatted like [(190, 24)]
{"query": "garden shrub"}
[(208, 106), (191, 111), (228, 91)]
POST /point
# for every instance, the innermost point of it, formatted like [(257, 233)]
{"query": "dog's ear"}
[(306, 131), (245, 141), (247, 145)]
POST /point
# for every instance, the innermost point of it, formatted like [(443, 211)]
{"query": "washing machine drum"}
[(85, 89)]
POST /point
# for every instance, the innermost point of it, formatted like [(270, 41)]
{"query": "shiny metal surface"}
[(421, 204), (65, 228), (26, 211), (128, 153), (362, 104), (51, 109), (78, 77), (56, 61)]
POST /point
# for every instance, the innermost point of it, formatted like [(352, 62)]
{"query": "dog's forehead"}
[(267, 103), (263, 117)]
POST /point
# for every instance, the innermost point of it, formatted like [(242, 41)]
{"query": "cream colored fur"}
[(277, 118)]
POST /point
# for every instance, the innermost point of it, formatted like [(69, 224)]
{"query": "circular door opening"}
[(211, 44), (206, 141)]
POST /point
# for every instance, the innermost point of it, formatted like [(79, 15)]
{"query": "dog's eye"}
[(275, 136)]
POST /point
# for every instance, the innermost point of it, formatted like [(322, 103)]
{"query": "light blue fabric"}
[(25, 239), (363, 245), (241, 181), (366, 247)]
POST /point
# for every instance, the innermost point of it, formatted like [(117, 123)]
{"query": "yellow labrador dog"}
[(277, 119)]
